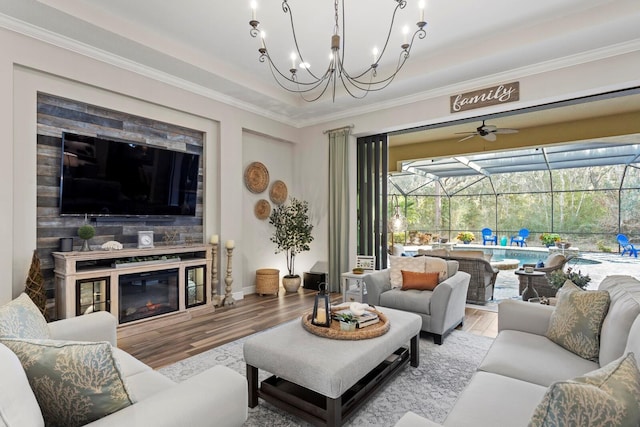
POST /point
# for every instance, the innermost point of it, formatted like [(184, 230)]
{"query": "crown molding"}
[(513, 74), (67, 43), (89, 51)]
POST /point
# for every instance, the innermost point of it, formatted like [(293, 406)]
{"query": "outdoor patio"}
[(609, 264)]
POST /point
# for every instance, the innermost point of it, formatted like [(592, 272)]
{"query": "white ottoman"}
[(322, 380)]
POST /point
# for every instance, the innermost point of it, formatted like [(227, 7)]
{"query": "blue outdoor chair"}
[(521, 238), (623, 241), (488, 236)]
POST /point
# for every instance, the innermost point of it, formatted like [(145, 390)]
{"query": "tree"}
[(292, 233)]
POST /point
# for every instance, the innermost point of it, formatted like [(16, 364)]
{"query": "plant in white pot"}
[(292, 235)]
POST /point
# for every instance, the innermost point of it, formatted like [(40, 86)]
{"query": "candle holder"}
[(228, 297), (214, 274)]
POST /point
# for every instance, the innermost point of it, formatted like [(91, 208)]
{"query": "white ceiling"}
[(206, 44)]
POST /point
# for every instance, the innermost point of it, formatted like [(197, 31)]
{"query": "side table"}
[(350, 277), (529, 291)]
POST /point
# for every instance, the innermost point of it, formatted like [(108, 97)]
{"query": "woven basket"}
[(267, 281)]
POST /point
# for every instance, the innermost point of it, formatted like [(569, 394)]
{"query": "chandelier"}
[(311, 85)]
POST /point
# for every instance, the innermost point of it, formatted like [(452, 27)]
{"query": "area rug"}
[(429, 390)]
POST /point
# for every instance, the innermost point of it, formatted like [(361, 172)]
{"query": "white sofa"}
[(522, 363), (215, 397)]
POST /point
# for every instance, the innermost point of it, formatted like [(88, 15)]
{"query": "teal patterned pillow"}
[(75, 383), (21, 318), (606, 397), (577, 319)]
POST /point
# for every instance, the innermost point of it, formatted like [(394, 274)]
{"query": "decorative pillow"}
[(577, 319), (420, 281), (605, 397), (404, 263), (436, 265), (75, 383), (21, 318)]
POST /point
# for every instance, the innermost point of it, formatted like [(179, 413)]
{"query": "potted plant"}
[(466, 237), (549, 239), (347, 321), (292, 235), (85, 232), (558, 277)]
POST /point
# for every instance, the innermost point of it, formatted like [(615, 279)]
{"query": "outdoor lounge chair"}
[(623, 241), (521, 238), (541, 283), (488, 236)]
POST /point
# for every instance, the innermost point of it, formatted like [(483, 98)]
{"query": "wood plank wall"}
[(57, 115)]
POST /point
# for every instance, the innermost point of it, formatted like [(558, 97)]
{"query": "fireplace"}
[(147, 294)]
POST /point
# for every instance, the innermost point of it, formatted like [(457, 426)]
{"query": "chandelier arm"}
[(404, 55), (401, 4), (266, 57), (381, 84), (277, 76), (287, 10), (350, 92), (324, 89)]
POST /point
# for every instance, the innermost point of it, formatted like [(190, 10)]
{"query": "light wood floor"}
[(169, 344)]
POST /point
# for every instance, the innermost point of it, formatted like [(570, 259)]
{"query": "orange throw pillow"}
[(420, 281)]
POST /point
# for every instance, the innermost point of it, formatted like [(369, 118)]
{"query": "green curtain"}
[(338, 206)]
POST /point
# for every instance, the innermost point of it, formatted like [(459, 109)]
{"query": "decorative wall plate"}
[(278, 192), (262, 209), (256, 177)]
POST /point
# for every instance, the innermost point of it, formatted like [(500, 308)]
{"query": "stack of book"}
[(368, 318)]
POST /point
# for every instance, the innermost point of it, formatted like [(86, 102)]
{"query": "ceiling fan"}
[(488, 132)]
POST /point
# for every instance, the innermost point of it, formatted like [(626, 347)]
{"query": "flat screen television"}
[(104, 177)]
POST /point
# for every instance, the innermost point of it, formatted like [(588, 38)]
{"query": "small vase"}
[(466, 242), (85, 246), (347, 326)]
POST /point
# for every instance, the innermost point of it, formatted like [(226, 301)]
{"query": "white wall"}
[(536, 88), (28, 65), (278, 157)]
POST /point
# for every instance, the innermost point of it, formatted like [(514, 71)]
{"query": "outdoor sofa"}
[(476, 263), (526, 376)]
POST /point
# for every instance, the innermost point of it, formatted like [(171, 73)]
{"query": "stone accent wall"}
[(57, 115)]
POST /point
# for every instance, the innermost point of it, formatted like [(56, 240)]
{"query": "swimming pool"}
[(524, 255)]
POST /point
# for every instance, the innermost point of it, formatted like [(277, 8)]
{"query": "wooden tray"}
[(334, 332)]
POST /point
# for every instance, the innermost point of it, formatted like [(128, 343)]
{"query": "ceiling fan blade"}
[(490, 136), (466, 133), (506, 130), (489, 128), (467, 137)]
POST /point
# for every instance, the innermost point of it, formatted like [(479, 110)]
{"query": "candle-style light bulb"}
[(254, 6), (421, 6), (263, 35), (293, 60), (405, 33), (375, 54)]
